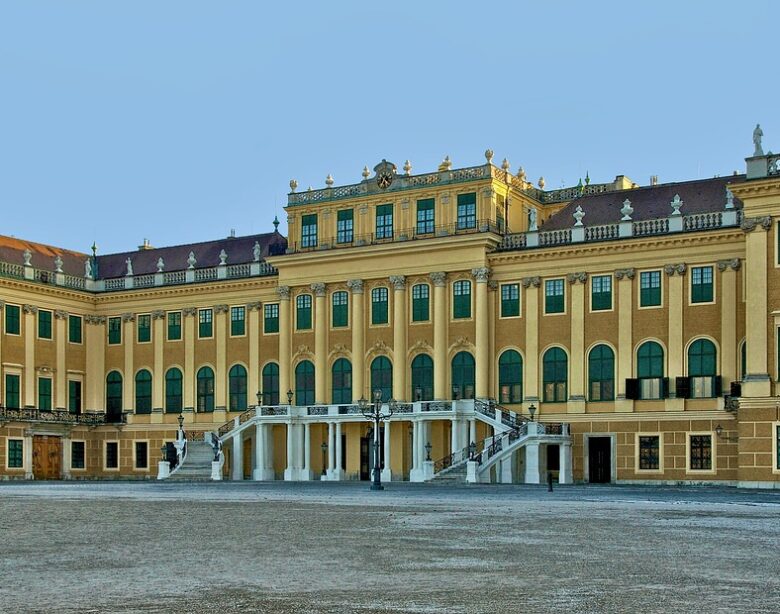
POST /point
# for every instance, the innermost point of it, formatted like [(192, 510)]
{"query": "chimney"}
[(653, 179), (232, 233), (146, 245)]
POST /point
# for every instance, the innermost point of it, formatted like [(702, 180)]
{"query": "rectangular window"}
[(379, 306), (425, 216), (74, 396), (174, 325), (510, 300), (112, 455), (344, 226), (553, 296), (44, 393), (650, 289), (384, 222), (303, 311), (701, 284), (309, 230), (205, 323), (601, 292), (467, 210), (237, 321), (340, 311), (141, 455), (77, 455), (701, 452), (12, 392), (114, 331), (651, 388), (15, 453), (144, 328), (421, 303), (74, 329), (271, 318), (12, 321), (44, 324), (649, 452), (461, 299)]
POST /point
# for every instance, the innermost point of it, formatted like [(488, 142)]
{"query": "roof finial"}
[(94, 249), (408, 167), (329, 180), (365, 172), (489, 156), (276, 224)]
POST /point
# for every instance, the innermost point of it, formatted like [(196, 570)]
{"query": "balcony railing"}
[(59, 416)]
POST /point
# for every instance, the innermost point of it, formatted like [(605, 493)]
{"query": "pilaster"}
[(439, 280), (285, 337), (728, 320), (220, 362), (676, 273), (253, 332), (481, 319), (400, 391), (625, 353), (95, 338), (320, 343), (128, 381), (189, 315), (61, 371), (577, 282), (757, 382), (30, 332), (358, 350), (531, 302), (158, 377)]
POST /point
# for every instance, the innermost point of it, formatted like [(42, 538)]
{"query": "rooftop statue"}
[(757, 134)]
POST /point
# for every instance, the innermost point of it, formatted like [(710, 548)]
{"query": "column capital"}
[(356, 285), (438, 278), (580, 277), (492, 284), (398, 281), (680, 268), (128, 317), (749, 224), (627, 273), (221, 308), (734, 264), (318, 289), (158, 314), (481, 274), (283, 292), (89, 319), (254, 306), (60, 314), (30, 309), (2, 304), (531, 281), (189, 311)]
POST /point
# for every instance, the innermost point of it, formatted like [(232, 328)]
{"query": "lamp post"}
[(259, 398), (324, 448), (180, 420), (289, 397), (532, 411), (428, 448), (372, 410)]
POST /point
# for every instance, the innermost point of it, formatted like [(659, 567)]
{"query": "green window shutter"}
[(114, 331), (12, 320), (344, 226), (12, 392), (174, 326), (510, 300), (555, 375), (379, 298), (425, 216), (510, 377), (303, 311), (601, 374), (309, 230), (271, 318), (77, 456), (467, 210), (701, 284), (144, 328), (44, 393), (74, 329), (601, 293), (461, 291), (205, 323), (384, 222), (421, 303), (237, 321), (553, 296), (74, 396), (650, 289), (15, 453), (44, 324), (340, 306)]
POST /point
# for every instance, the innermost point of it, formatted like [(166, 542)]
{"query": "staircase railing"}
[(459, 456)]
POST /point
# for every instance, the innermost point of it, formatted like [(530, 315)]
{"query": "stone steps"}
[(197, 464)]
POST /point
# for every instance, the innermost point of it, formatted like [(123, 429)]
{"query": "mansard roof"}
[(649, 202), (43, 256)]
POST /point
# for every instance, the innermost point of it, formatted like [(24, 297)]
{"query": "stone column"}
[(220, 366), (260, 443), (128, 381), (27, 455), (481, 322), (290, 472), (729, 369), (61, 370), (532, 463), (320, 343), (331, 449), (358, 350), (454, 435), (625, 350), (306, 473), (492, 317), (285, 336), (387, 474), (95, 376), (531, 286), (66, 457), (439, 280), (189, 315), (565, 474), (577, 282), (472, 430), (237, 461), (338, 471), (400, 391), (253, 333), (676, 273), (158, 373), (757, 382), (30, 332)]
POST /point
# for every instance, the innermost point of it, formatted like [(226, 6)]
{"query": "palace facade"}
[(605, 333)]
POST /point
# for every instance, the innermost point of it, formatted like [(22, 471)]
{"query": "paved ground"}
[(337, 548)]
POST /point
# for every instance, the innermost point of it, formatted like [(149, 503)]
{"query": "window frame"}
[(207, 408), (601, 380), (502, 301), (555, 382), (41, 314), (106, 443), (309, 239), (466, 220), (426, 298), (147, 468), (71, 319), (239, 380), (234, 309), (83, 443), (593, 293), (345, 235), (563, 296), (203, 322), (638, 453), (18, 318), (270, 307), (269, 377), (8, 466), (136, 396), (660, 378), (456, 303), (776, 447), (342, 309), (386, 302), (511, 398), (713, 452), (71, 396), (18, 376), (114, 334), (712, 269), (382, 229), (660, 289), (167, 397), (50, 395), (425, 223), (306, 308), (169, 325), (145, 317)]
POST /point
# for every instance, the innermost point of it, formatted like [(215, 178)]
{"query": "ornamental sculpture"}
[(628, 273), (58, 264), (160, 265), (398, 281), (222, 258), (439, 278), (256, 251), (283, 292), (481, 274), (27, 256), (356, 285), (129, 264), (531, 281), (318, 289), (734, 264), (191, 261), (676, 204), (757, 134), (627, 210), (580, 277)]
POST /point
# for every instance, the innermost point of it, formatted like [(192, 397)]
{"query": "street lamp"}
[(324, 448), (472, 450), (259, 398), (180, 419), (289, 397), (373, 411), (532, 411)]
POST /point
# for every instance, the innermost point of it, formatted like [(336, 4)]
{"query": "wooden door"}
[(47, 457), (599, 460)]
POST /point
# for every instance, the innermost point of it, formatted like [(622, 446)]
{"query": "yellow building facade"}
[(600, 333)]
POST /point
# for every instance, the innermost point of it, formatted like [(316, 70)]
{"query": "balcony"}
[(59, 416)]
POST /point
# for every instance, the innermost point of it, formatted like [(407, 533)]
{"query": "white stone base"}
[(291, 474), (305, 475), (472, 477), (416, 475), (216, 470), (263, 475), (386, 475), (163, 470)]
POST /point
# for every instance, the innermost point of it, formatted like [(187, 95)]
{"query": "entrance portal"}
[(599, 460), (47, 457)]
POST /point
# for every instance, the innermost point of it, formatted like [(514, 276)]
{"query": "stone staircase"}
[(196, 466), (452, 475)]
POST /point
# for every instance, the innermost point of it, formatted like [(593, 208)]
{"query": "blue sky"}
[(178, 121)]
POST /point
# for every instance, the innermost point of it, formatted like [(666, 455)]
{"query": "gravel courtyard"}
[(325, 547)]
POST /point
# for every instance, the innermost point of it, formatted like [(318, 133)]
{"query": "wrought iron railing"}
[(29, 414)]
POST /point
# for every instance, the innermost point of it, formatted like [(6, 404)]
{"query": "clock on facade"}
[(385, 173)]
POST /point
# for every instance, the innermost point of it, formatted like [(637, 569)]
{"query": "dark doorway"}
[(367, 453), (553, 457), (599, 460)]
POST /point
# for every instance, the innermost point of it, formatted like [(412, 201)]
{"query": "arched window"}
[(463, 376), (114, 394), (422, 378), (237, 388), (205, 389), (271, 384), (341, 374), (702, 367), (650, 370), (304, 383), (173, 395), (555, 375), (601, 374), (143, 392), (510, 377), (382, 377)]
